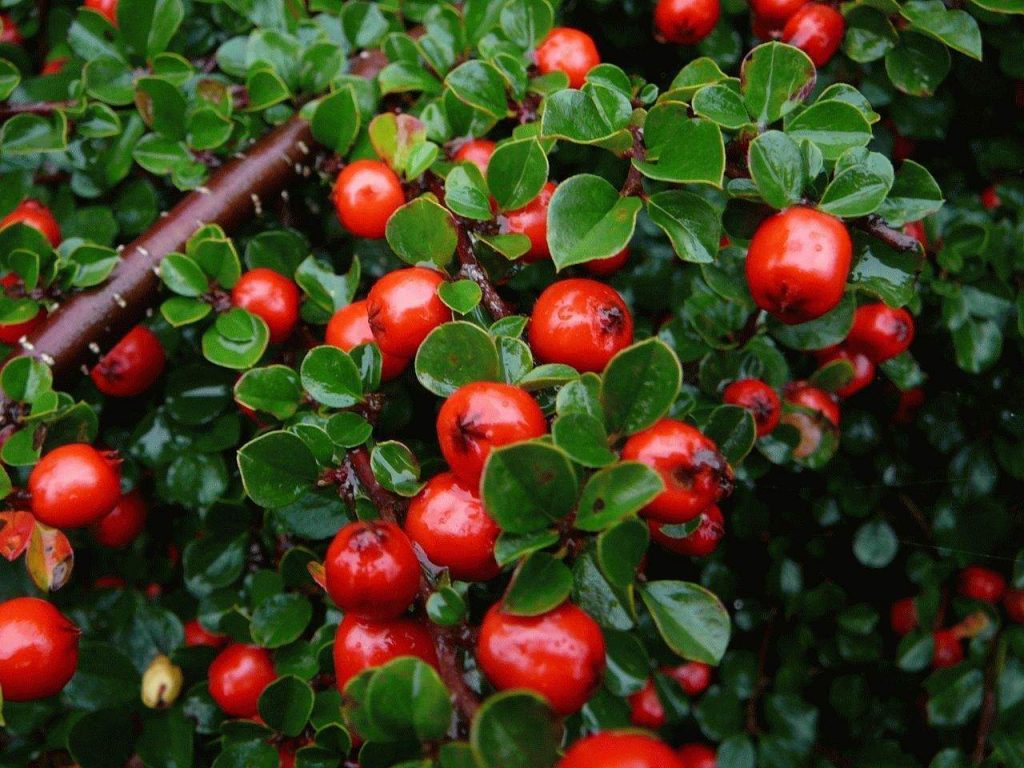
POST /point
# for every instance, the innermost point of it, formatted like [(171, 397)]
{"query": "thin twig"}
[(875, 226), (749, 329), (761, 681), (987, 718), (34, 108), (634, 183)]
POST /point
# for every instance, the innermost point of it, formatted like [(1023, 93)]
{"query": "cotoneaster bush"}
[(512, 384)]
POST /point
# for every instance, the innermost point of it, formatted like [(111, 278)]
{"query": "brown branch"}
[(634, 183), (87, 322), (987, 718), (34, 108), (749, 329), (875, 226), (761, 681)]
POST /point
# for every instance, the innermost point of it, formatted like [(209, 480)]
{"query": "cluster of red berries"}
[(815, 28), (879, 333), (614, 749)]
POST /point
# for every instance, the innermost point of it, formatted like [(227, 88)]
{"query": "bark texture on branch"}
[(87, 323)]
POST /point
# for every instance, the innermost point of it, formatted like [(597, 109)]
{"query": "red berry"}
[(38, 649), (609, 266), (110, 582), (903, 616), (481, 416), (581, 323), (238, 676), (694, 677), (447, 520), (620, 750), (350, 326), (990, 198), (758, 398), (979, 583), (1013, 602), (701, 542), (863, 368), (120, 526), (272, 296), (54, 65), (568, 50), (10, 34), (371, 570), (73, 486), (697, 756), (360, 644), (646, 708), (365, 195), (910, 401), (903, 147), (132, 366), (763, 29), (797, 264), (10, 333), (403, 308), (108, 8), (559, 654), (948, 651), (816, 29), (532, 220), (476, 151), (34, 214), (776, 12), (881, 332), (803, 394), (685, 22), (198, 635), (696, 475), (917, 231)]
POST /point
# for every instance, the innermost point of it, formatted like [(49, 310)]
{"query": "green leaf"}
[(214, 562), (639, 385), (396, 468), (953, 27), (274, 389), (914, 195), (166, 740), (733, 430), (775, 79), (481, 86), (455, 354), (331, 377), (277, 469), (24, 379), (690, 619), (286, 704), (265, 88), (180, 310), (862, 181), (147, 26), (616, 492), (777, 168), (236, 340), (336, 121), (588, 220), (917, 65), (515, 729), (96, 740), (833, 126), (528, 485), (461, 296), (540, 584), (722, 103), (9, 78), (517, 172), (583, 437), (875, 544), (465, 192), (692, 224), (280, 619), (825, 331), (406, 698), (621, 550), (26, 134), (422, 230), (183, 276), (682, 150), (595, 114), (869, 35), (526, 22)]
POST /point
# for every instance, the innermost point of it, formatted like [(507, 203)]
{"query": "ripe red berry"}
[(403, 308), (34, 214), (758, 398), (701, 542), (979, 583), (763, 29), (990, 198), (238, 676), (38, 649), (476, 151), (10, 333), (108, 8), (54, 65), (910, 401), (581, 323), (1013, 602), (481, 416), (917, 231), (371, 570), (881, 332), (365, 195), (448, 521), (816, 29), (120, 526), (531, 220), (559, 654), (697, 756), (646, 709), (776, 13), (863, 368), (948, 652), (609, 266), (132, 366), (350, 326), (272, 296), (73, 486), (361, 644), (10, 34), (797, 264), (685, 22), (620, 750), (903, 616), (568, 50), (696, 475), (803, 394), (198, 635)]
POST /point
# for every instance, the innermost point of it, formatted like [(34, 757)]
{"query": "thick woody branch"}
[(875, 226), (85, 324)]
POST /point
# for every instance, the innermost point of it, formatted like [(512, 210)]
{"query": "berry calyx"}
[(570, 51), (863, 368), (581, 323), (365, 195), (476, 151), (757, 397), (106, 8), (531, 220), (271, 296), (881, 332), (403, 308), (948, 652), (484, 415), (797, 264), (1013, 602), (371, 570), (979, 583), (132, 366), (685, 22), (350, 326), (695, 474), (816, 29), (38, 649), (775, 13), (73, 486), (447, 520), (697, 756), (620, 750), (34, 214), (608, 266), (903, 616), (559, 654), (702, 542), (361, 644), (197, 635), (121, 525), (238, 676)]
